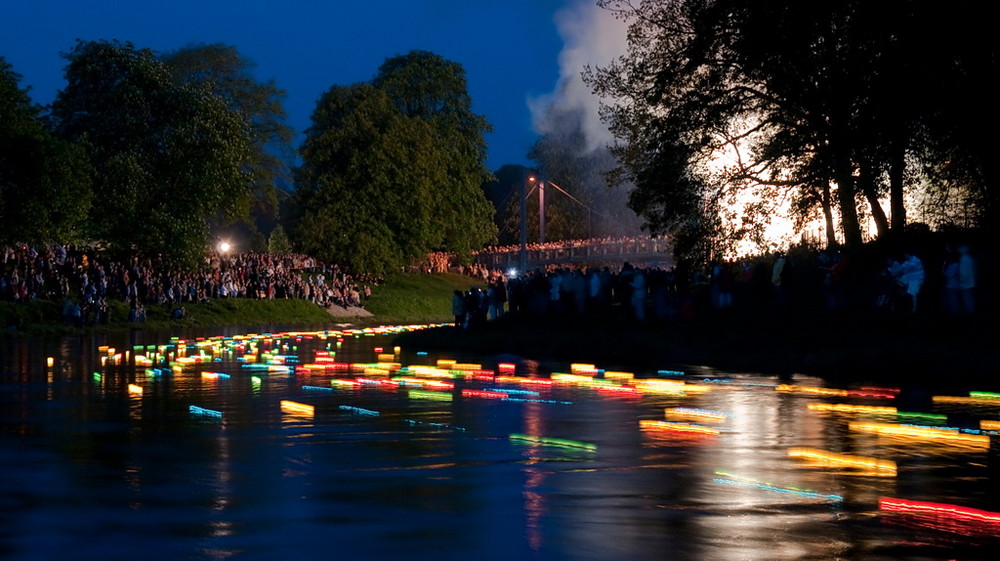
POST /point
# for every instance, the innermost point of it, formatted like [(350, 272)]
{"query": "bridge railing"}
[(578, 251)]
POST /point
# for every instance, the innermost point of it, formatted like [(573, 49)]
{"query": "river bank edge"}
[(930, 352)]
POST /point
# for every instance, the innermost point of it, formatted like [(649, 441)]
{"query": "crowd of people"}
[(84, 279), (832, 281)]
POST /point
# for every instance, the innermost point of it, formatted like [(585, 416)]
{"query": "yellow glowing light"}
[(615, 375), (570, 378), (445, 363), (50, 361), (791, 388), (296, 408), (582, 368), (849, 408), (134, 389), (822, 458), (385, 357), (951, 436), (466, 366), (648, 424)]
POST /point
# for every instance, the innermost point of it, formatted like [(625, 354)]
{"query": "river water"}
[(157, 447)]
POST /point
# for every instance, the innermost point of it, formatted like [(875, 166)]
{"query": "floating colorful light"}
[(548, 441), (871, 466)]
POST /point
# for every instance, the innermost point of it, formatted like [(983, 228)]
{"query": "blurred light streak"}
[(822, 458), (933, 434), (730, 479), (664, 426), (945, 517), (549, 441)]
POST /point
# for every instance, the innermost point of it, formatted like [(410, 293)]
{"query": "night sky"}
[(516, 53)]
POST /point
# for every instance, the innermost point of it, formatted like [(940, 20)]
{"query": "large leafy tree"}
[(167, 157), (229, 76), (820, 100), (44, 181), (428, 87), (392, 172)]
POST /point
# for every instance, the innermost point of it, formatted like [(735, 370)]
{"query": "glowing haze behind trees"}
[(842, 105)]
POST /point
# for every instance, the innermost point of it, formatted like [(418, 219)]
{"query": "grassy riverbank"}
[(403, 298)]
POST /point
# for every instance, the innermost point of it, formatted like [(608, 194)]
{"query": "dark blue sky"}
[(510, 49)]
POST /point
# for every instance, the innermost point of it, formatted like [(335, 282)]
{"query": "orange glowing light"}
[(134, 389), (985, 424), (822, 458), (791, 388), (296, 408), (932, 434), (850, 408), (651, 425)]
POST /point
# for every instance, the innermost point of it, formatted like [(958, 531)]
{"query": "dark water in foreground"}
[(104, 459)]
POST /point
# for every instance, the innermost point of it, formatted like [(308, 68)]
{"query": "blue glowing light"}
[(202, 412), (317, 389), (791, 491), (359, 411)]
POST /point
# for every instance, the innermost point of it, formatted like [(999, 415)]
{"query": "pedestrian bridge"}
[(596, 251)]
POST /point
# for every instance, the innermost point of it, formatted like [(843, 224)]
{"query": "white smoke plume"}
[(592, 37)]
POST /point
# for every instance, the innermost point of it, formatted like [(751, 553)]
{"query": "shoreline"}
[(928, 352)]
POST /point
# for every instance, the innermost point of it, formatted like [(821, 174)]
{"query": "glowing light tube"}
[(346, 382), (202, 412), (359, 411), (424, 394), (651, 425), (932, 434), (925, 417), (962, 400), (729, 479), (986, 424), (215, 375), (872, 466), (296, 408), (484, 393), (704, 415), (548, 441), (317, 389), (791, 388), (513, 391), (948, 517), (851, 408)]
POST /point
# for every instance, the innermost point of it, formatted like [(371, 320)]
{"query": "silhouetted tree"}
[(167, 157), (44, 181)]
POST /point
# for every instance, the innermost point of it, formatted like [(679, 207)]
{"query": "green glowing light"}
[(560, 442)]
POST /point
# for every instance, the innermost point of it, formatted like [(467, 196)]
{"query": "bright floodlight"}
[(224, 247)]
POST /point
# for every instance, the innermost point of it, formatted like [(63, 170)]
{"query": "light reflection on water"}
[(104, 472)]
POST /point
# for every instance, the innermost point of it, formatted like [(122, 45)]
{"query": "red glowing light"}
[(483, 393)]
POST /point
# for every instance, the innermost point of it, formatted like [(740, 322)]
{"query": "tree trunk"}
[(897, 167), (867, 183), (827, 204), (845, 198)]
